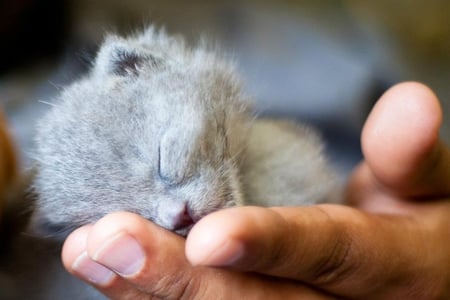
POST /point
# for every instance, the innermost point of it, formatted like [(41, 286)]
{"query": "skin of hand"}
[(392, 244), (8, 164)]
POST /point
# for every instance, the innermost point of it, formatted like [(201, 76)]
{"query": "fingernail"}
[(225, 255), (92, 271), (121, 253)]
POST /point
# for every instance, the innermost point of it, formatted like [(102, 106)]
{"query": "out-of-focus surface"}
[(322, 63), (8, 164)]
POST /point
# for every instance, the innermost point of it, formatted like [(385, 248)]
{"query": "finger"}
[(148, 260), (79, 264), (401, 143), (335, 248)]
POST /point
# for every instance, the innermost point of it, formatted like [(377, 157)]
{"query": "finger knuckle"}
[(336, 263), (191, 290), (207, 284)]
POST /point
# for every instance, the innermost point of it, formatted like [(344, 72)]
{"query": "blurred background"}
[(322, 62)]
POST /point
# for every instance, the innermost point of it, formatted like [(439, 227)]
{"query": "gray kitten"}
[(165, 131)]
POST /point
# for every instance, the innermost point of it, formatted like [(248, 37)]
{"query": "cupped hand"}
[(393, 244)]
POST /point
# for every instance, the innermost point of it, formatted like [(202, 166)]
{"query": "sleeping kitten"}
[(164, 131)]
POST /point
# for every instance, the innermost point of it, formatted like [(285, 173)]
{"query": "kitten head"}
[(156, 128)]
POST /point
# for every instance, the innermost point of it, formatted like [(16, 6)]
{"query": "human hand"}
[(393, 245)]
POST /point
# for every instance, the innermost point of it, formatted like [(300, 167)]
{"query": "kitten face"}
[(156, 129)]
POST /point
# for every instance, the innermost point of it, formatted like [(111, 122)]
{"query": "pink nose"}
[(183, 219)]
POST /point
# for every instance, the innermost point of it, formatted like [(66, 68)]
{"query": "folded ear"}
[(120, 57)]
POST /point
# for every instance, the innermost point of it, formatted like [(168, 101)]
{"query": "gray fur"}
[(157, 128)]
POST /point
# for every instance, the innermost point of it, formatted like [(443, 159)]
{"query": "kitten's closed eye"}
[(163, 170), (176, 158)]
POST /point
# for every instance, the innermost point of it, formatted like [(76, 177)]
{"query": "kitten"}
[(164, 131)]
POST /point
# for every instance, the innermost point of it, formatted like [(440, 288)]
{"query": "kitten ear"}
[(124, 62), (119, 57)]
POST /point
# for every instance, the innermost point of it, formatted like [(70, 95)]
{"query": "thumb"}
[(401, 143)]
